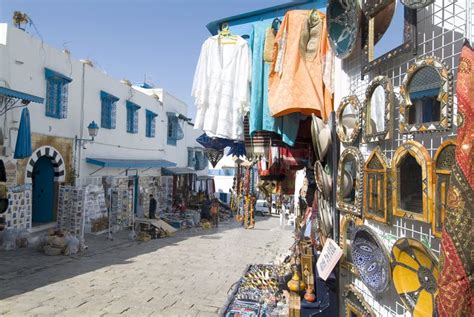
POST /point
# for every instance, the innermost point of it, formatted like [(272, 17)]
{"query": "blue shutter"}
[(191, 158), (132, 117), (108, 110), (62, 107), (113, 114), (135, 121), (152, 128), (56, 94), (150, 123)]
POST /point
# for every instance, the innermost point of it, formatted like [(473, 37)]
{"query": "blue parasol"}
[(23, 140)]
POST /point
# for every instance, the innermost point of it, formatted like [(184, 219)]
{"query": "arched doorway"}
[(43, 190)]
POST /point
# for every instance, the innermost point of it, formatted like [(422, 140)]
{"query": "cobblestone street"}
[(188, 274)]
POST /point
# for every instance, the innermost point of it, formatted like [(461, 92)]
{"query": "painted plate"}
[(343, 24), (415, 276), (370, 259)]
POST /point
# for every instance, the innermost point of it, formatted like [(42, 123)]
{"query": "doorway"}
[(43, 191)]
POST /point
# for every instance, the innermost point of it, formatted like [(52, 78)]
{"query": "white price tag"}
[(328, 259)]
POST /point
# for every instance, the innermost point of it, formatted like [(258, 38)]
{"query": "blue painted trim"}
[(124, 163), (51, 74), (151, 114), (20, 95), (107, 96), (132, 105), (145, 85), (214, 26)]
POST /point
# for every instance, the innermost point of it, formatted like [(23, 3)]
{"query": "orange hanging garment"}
[(300, 62)]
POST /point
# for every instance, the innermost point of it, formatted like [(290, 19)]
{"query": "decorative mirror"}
[(343, 21), (349, 176), (444, 160), (354, 303), (371, 260), (416, 4), (347, 228), (377, 187), (348, 120), (412, 182), (393, 19), (427, 97), (378, 109)]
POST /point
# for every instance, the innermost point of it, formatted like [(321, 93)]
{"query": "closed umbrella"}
[(23, 140)]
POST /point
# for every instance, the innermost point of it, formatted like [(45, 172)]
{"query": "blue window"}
[(132, 117), (201, 160), (191, 158), (108, 110), (150, 124), (56, 94), (175, 132)]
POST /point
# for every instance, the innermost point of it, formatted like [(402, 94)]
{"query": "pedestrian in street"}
[(215, 212), (152, 208)]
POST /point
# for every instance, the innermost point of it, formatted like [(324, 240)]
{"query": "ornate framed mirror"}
[(343, 25), (377, 114), (347, 227), (348, 120), (377, 187), (350, 181), (412, 181), (355, 304), (444, 160), (427, 97), (393, 19)]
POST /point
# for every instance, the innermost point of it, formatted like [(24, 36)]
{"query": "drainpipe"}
[(77, 143)]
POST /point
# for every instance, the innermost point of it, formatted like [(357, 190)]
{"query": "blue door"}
[(43, 190)]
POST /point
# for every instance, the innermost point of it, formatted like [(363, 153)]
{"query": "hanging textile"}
[(214, 156), (213, 143), (455, 297), (23, 140), (221, 88), (301, 66), (260, 118), (237, 149)]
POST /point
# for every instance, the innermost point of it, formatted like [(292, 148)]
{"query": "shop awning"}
[(177, 171), (20, 95), (126, 163)]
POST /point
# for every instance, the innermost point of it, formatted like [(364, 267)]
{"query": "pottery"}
[(296, 284), (321, 136), (309, 295)]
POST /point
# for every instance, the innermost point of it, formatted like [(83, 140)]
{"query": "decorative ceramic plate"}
[(343, 19), (415, 276), (370, 258)]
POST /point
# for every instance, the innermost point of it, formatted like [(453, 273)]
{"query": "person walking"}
[(215, 212), (152, 208)]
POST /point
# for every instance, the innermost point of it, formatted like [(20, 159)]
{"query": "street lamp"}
[(79, 143), (93, 130)]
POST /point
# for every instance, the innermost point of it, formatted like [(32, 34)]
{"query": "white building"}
[(142, 129)]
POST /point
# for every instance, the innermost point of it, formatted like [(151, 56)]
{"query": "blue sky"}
[(159, 39)]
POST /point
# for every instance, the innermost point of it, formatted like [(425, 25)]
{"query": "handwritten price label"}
[(328, 259)]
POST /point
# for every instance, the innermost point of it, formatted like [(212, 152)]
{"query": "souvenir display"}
[(380, 22), (348, 120), (354, 303), (351, 161), (18, 213), (370, 8), (343, 26), (412, 181), (377, 187), (456, 261), (377, 115), (321, 137), (416, 4), (260, 118), (415, 275), (444, 161), (220, 110), (71, 210), (214, 156), (301, 40), (347, 227), (426, 97), (96, 219), (370, 259), (323, 180)]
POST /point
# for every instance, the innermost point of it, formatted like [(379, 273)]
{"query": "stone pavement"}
[(188, 274)]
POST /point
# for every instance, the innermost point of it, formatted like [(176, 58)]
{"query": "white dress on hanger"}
[(221, 88)]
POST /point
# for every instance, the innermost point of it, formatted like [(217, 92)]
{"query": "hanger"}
[(225, 36)]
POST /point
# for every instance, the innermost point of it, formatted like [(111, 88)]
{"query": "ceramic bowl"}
[(321, 137)]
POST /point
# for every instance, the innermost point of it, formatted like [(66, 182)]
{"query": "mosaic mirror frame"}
[(356, 208), (370, 8), (377, 178), (343, 16), (355, 304), (345, 102), (445, 97), (416, 4), (409, 44), (387, 86), (444, 160), (346, 220), (422, 157)]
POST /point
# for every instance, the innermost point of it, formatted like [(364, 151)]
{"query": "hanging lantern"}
[(214, 156)]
